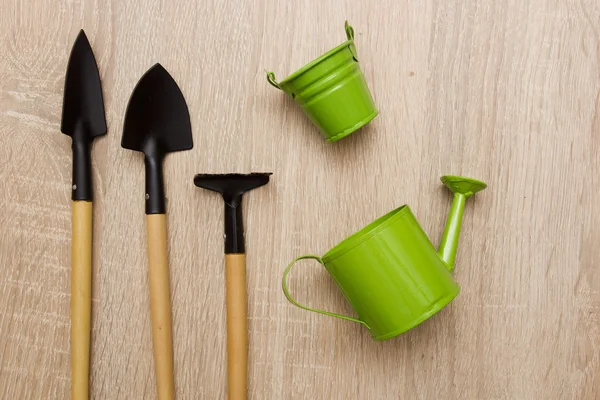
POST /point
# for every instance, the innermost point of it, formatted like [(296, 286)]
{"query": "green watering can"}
[(390, 272), (332, 91)]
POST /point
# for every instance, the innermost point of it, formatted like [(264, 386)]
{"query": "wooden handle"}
[(237, 339), (160, 305), (81, 298)]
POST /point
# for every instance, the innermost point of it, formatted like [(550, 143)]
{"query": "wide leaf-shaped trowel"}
[(157, 122), (82, 119)]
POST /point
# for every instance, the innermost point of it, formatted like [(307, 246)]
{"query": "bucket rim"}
[(316, 61)]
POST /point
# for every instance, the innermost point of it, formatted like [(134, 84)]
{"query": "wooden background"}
[(504, 91)]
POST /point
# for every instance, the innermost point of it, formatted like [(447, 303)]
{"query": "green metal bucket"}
[(332, 91)]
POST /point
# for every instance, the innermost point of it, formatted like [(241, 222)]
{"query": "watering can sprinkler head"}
[(462, 188)]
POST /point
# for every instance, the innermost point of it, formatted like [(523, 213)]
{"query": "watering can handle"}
[(286, 291)]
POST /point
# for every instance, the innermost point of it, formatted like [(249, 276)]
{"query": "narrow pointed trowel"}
[(157, 122), (232, 187), (83, 120)]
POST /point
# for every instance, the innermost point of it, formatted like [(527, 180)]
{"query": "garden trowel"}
[(157, 122), (82, 119)]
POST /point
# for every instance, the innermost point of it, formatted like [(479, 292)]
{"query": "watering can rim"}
[(365, 233)]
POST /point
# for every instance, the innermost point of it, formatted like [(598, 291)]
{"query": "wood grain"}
[(237, 326), (160, 305), (504, 91), (81, 298)]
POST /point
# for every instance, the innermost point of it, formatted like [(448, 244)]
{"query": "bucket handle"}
[(349, 34), (272, 81), (286, 291), (349, 31)]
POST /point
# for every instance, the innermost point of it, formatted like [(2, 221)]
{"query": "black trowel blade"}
[(157, 110), (83, 102)]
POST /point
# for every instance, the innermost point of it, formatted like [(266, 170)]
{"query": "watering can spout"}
[(462, 188)]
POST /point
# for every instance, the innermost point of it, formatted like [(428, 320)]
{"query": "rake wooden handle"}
[(237, 340), (81, 298), (160, 305)]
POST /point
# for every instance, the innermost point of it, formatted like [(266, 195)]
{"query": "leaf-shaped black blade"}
[(157, 109)]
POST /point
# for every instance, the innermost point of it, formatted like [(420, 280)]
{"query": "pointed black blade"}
[(157, 110), (83, 102)]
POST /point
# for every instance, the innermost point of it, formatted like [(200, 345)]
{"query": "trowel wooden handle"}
[(160, 305), (237, 341), (81, 298)]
